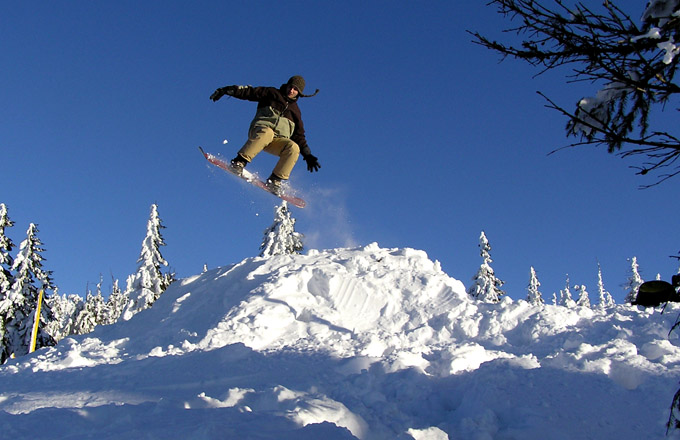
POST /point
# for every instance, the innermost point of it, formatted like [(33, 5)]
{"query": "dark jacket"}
[(272, 105)]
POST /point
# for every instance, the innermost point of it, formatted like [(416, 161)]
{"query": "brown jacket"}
[(272, 105)]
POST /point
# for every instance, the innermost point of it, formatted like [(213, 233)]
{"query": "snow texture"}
[(366, 343)]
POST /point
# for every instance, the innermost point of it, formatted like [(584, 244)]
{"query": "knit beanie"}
[(298, 82)]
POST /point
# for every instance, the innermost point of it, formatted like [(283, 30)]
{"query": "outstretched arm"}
[(247, 93), (228, 90)]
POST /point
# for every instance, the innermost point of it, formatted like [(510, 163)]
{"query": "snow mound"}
[(365, 343)]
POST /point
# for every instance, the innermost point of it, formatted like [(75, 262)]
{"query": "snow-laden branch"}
[(635, 66)]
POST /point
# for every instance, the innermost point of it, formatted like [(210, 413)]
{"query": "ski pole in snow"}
[(34, 335)]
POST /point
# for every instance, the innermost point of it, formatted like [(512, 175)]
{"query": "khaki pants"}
[(262, 138)]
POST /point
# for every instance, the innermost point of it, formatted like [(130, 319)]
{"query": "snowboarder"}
[(277, 128)]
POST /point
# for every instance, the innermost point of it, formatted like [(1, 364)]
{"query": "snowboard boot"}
[(274, 184), (238, 164)]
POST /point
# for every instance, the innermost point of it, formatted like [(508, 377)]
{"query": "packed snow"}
[(366, 343)]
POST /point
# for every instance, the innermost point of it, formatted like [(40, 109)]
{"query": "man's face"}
[(292, 91)]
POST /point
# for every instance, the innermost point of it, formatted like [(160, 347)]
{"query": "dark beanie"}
[(298, 82)]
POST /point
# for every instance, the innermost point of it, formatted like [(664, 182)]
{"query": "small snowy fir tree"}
[(6, 246), (605, 298), (22, 303), (65, 309), (94, 313), (566, 299), (91, 314), (149, 282), (6, 278), (99, 303), (485, 286), (583, 297), (280, 238), (534, 295), (114, 305), (634, 282)]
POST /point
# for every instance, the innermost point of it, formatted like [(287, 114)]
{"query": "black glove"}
[(312, 163), (217, 94)]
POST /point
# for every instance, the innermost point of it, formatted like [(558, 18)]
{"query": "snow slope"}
[(365, 343)]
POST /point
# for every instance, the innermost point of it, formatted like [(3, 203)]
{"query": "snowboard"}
[(253, 179)]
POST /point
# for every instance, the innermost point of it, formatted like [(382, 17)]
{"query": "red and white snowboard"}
[(252, 179)]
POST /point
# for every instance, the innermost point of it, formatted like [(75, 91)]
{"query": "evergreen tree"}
[(534, 295), (93, 312), (6, 277), (65, 309), (23, 296), (634, 282), (583, 297), (566, 299), (280, 238), (114, 305), (6, 246), (89, 315), (147, 285), (605, 298), (99, 308), (486, 286)]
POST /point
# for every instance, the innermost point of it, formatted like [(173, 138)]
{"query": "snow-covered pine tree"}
[(90, 315), (605, 298), (30, 278), (583, 297), (148, 283), (6, 246), (486, 286), (93, 313), (65, 309), (114, 305), (566, 299), (6, 277), (634, 282), (280, 238), (99, 303), (534, 295)]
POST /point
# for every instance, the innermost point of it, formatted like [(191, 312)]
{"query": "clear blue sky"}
[(424, 140)]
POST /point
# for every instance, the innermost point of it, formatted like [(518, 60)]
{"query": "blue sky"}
[(424, 138)]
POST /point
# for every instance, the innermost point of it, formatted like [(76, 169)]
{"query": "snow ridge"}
[(365, 343)]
